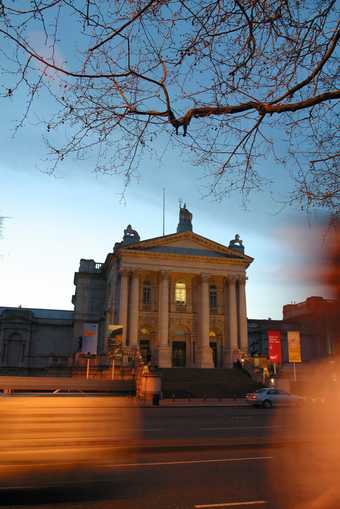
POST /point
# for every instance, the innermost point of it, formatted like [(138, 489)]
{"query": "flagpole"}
[(163, 211)]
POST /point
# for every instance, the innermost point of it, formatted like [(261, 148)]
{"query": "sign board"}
[(274, 346), (90, 338), (294, 346), (115, 332), (262, 362)]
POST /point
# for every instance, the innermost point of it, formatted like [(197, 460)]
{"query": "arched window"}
[(147, 293), (213, 296), (180, 293)]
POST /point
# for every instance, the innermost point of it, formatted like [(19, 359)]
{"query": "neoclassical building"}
[(180, 298)]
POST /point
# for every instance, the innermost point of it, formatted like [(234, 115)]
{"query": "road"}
[(99, 453)]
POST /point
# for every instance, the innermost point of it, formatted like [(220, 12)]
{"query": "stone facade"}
[(33, 339), (180, 298)]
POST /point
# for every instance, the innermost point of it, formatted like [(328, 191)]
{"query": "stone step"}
[(196, 382)]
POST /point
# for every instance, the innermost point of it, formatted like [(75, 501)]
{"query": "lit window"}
[(213, 296), (147, 293), (180, 293)]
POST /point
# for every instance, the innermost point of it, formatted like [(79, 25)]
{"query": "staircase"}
[(209, 383)]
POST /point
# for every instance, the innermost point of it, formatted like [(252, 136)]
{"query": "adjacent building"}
[(318, 321), (35, 338)]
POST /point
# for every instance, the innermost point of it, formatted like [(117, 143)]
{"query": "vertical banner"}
[(274, 346), (90, 338), (294, 346)]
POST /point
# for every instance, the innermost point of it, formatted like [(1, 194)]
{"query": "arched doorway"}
[(145, 344), (179, 348), (216, 347)]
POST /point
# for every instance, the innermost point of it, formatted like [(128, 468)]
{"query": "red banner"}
[(274, 346)]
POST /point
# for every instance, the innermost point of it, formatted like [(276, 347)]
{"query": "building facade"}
[(33, 339), (318, 321), (180, 298)]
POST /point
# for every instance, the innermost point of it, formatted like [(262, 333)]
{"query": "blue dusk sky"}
[(53, 221)]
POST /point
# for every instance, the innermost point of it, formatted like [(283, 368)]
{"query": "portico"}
[(180, 299)]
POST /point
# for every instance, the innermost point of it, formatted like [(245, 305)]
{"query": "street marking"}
[(14, 466), (54, 484), (245, 427), (188, 462), (231, 504)]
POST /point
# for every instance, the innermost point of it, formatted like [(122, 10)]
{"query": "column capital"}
[(124, 272), (135, 272), (231, 278), (242, 279), (205, 277), (164, 274)]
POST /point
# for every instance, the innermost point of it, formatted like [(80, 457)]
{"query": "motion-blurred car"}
[(268, 397)]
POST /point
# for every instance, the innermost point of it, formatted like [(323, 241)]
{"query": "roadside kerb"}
[(131, 401)]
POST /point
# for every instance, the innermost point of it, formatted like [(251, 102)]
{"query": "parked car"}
[(269, 396)]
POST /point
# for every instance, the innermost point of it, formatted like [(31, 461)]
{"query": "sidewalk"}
[(131, 401), (202, 402)]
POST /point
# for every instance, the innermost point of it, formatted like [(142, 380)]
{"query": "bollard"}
[(155, 399)]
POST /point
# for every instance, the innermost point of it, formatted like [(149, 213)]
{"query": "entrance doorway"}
[(213, 346), (179, 354), (145, 350)]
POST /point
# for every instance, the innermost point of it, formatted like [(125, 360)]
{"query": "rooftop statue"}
[(185, 220), (237, 243), (130, 235)]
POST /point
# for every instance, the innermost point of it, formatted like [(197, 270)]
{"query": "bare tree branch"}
[(248, 83)]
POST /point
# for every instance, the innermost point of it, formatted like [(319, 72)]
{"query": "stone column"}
[(123, 302), (205, 353), (134, 310), (164, 357), (232, 317), (243, 315)]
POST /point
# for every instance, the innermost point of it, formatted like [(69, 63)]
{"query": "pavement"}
[(128, 401), (204, 402)]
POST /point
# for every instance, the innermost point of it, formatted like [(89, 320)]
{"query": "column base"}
[(164, 357), (206, 358), (228, 361)]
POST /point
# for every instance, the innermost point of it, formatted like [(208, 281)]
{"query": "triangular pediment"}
[(187, 244)]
